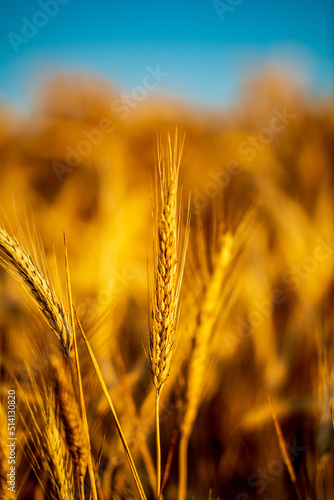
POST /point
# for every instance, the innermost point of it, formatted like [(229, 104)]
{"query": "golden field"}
[(248, 385)]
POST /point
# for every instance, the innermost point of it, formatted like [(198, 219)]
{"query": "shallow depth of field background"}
[(78, 156)]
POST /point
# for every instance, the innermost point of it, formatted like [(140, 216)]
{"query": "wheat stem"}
[(132, 410), (183, 450), (82, 489), (81, 395), (283, 449), (158, 445)]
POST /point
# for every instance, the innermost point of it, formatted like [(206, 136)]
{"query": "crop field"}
[(166, 295)]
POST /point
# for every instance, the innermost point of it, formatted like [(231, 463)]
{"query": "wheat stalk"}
[(283, 449), (168, 273), (20, 264), (79, 379), (114, 415)]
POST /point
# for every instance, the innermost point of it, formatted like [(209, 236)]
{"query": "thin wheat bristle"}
[(167, 273), (20, 264), (71, 419)]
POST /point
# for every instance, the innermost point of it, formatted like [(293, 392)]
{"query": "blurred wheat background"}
[(234, 321)]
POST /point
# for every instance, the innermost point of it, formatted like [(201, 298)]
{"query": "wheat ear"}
[(55, 454), (20, 264), (71, 419), (207, 318), (46, 437), (167, 277)]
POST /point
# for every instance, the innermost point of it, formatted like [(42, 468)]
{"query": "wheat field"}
[(166, 327)]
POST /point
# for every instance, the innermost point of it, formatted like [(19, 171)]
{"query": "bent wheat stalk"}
[(168, 271), (81, 394), (20, 265), (113, 411)]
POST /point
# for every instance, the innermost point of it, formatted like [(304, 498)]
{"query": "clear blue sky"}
[(204, 55)]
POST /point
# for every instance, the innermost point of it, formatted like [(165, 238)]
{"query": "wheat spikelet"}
[(168, 271), (52, 451), (20, 264), (71, 419), (55, 456), (43, 432)]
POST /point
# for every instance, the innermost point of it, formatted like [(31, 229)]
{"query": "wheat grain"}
[(20, 264)]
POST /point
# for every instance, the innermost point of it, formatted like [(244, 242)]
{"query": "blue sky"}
[(205, 50)]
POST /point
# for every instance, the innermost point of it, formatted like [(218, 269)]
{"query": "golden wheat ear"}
[(70, 417), (21, 266), (168, 263), (168, 273), (45, 444)]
